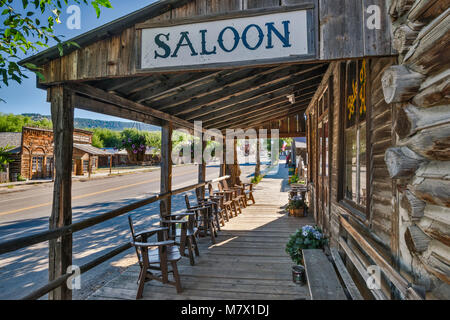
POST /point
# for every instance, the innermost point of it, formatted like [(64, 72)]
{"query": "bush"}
[(20, 178), (308, 237)]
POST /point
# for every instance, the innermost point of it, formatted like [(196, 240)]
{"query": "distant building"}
[(32, 152), (120, 157)]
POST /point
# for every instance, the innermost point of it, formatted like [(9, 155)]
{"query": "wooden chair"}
[(215, 200), (205, 218), (239, 193), (230, 195), (187, 233), (248, 192), (226, 203), (155, 256)]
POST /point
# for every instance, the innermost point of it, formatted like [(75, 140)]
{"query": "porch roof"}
[(12, 140), (90, 149)]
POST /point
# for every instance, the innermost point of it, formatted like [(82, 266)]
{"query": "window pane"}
[(350, 164), (352, 94), (362, 165), (320, 149), (362, 90)]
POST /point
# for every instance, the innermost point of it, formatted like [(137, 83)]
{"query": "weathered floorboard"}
[(247, 262)]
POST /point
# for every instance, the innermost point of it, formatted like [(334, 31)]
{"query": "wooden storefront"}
[(333, 71), (378, 144), (36, 157)]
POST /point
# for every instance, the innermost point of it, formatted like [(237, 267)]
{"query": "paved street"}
[(25, 212)]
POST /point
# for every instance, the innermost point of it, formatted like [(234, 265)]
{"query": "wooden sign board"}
[(257, 38)]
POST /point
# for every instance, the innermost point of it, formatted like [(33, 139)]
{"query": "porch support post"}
[(60, 250), (223, 165), (202, 169), (258, 156), (233, 169), (166, 163)]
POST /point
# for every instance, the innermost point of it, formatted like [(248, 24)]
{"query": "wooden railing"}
[(26, 241), (402, 285)]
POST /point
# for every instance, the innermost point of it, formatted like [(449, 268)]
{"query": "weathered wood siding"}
[(342, 28), (422, 129)]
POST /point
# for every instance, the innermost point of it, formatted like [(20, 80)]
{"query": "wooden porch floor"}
[(248, 261)]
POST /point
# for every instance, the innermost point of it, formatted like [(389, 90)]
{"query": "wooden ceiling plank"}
[(174, 84), (251, 99), (263, 81), (217, 84), (269, 115), (228, 115)]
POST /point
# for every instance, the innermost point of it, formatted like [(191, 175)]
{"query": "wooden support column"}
[(89, 167), (60, 250), (202, 170), (232, 169), (223, 166), (258, 156), (166, 163)]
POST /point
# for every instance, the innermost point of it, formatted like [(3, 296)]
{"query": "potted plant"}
[(297, 207), (308, 237), (294, 179)]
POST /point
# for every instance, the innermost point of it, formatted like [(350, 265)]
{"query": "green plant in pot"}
[(308, 237), (297, 207)]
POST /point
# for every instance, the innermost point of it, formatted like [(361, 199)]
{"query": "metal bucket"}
[(299, 275)]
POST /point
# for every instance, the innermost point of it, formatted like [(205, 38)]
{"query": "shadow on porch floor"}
[(248, 261)]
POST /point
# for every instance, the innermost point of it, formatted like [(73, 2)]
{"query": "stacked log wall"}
[(419, 92)]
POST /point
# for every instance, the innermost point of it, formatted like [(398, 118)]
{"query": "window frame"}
[(361, 212)]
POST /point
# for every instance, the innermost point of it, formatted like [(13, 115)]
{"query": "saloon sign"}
[(244, 40)]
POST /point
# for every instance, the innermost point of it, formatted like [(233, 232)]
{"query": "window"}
[(355, 134), (37, 164)]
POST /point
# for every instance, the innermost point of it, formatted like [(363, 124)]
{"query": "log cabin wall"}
[(408, 119), (418, 91)]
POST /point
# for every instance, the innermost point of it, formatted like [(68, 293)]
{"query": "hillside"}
[(83, 123)]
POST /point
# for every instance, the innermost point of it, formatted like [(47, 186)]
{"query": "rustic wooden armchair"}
[(216, 201), (155, 256), (239, 193), (230, 195), (186, 233), (205, 218), (226, 202)]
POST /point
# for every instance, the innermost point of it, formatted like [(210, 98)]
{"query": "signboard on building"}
[(239, 41)]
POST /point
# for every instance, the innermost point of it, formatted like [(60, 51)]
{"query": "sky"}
[(26, 98)]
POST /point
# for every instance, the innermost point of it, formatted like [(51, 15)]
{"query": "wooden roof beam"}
[(125, 104), (271, 117), (215, 111), (170, 86), (277, 77), (230, 81), (270, 105), (89, 104)]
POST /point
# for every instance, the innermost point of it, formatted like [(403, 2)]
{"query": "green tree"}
[(105, 138), (14, 123), (5, 157), (23, 32)]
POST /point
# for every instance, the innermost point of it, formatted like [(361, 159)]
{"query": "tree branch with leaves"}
[(22, 32)]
